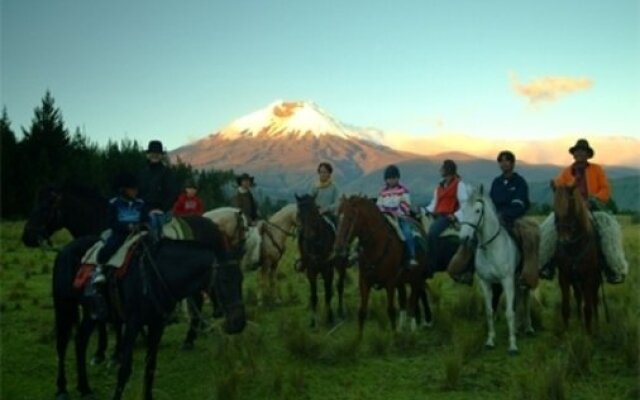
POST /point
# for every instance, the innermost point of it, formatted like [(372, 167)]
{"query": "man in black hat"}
[(594, 187), (158, 186), (244, 199)]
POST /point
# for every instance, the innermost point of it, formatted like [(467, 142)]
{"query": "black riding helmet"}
[(391, 172)]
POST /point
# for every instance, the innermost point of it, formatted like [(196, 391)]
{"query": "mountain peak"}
[(295, 118)]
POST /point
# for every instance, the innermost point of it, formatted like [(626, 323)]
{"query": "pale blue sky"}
[(179, 70)]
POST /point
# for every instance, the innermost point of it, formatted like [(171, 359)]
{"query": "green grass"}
[(280, 357)]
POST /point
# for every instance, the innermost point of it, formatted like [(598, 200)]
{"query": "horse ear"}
[(552, 185), (297, 197)]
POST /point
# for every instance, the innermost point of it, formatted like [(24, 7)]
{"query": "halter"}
[(274, 242), (477, 226)]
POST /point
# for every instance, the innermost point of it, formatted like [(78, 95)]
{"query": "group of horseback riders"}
[(150, 202), (509, 193)]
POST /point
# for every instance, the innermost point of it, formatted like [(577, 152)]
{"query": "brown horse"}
[(316, 247), (577, 254), (274, 233), (381, 257)]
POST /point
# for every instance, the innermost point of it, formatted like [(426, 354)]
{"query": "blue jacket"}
[(510, 196), (123, 212)]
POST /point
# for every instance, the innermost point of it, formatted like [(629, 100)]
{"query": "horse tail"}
[(548, 240)]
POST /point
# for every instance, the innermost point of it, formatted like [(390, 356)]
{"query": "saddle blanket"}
[(118, 259)]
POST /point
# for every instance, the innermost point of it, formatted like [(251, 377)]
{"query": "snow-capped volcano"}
[(297, 118)]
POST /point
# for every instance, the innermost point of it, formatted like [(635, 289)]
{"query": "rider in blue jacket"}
[(509, 191)]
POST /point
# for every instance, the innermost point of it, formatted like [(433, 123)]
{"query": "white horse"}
[(273, 239), (496, 258), (243, 238)]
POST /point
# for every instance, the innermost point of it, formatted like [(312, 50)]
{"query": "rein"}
[(476, 227)]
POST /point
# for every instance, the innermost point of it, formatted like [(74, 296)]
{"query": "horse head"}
[(308, 215), (45, 219), (351, 212), (479, 219), (571, 214)]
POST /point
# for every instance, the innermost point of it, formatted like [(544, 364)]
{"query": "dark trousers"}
[(439, 224), (113, 243)]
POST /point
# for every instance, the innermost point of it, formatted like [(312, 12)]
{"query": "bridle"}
[(476, 226)]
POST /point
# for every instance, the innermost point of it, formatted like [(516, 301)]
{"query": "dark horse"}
[(316, 247), (160, 274), (577, 254), (80, 210), (381, 257)]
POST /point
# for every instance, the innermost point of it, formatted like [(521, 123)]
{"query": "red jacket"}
[(188, 206)]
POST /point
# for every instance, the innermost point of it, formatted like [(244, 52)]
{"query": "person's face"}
[(392, 181), (246, 183), (191, 192), (580, 155), (324, 174), (506, 166), (131, 192), (443, 172), (154, 157)]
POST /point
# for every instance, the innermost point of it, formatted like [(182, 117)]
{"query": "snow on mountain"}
[(297, 118)]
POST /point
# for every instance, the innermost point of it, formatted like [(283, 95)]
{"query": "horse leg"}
[(153, 341), (428, 318), (402, 303), (496, 290), (132, 327), (526, 309), (194, 308), (578, 294), (364, 305), (99, 356), (312, 277), (566, 307), (509, 291), (413, 306), (488, 308), (262, 282), (116, 358), (340, 286), (391, 308), (66, 313), (273, 284), (328, 292), (82, 341)]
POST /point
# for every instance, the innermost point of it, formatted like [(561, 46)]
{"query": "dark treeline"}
[(48, 154)]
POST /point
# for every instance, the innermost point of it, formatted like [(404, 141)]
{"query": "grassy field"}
[(279, 357)]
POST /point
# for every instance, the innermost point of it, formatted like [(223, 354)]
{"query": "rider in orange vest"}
[(593, 184)]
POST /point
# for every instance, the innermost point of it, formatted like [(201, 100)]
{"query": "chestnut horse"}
[(316, 246), (382, 254), (577, 254)]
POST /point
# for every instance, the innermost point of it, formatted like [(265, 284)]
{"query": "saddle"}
[(419, 235), (120, 259)]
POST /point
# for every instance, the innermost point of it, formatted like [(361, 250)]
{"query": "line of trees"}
[(48, 154)]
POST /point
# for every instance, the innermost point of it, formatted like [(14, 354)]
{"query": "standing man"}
[(158, 187), (244, 199), (510, 195)]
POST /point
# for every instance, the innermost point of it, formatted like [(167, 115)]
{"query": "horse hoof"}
[(186, 346), (427, 324), (63, 396), (489, 346), (530, 332), (514, 352)]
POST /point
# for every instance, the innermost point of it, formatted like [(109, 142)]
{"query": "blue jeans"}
[(405, 227), (439, 225)]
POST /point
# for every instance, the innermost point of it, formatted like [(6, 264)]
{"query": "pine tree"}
[(46, 148), (10, 174)]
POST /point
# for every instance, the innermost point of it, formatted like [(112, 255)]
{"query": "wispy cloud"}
[(549, 88)]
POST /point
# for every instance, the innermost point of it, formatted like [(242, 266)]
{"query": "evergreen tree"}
[(10, 174), (45, 148)]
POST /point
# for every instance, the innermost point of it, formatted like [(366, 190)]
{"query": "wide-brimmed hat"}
[(582, 144), (155, 146), (244, 176)]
